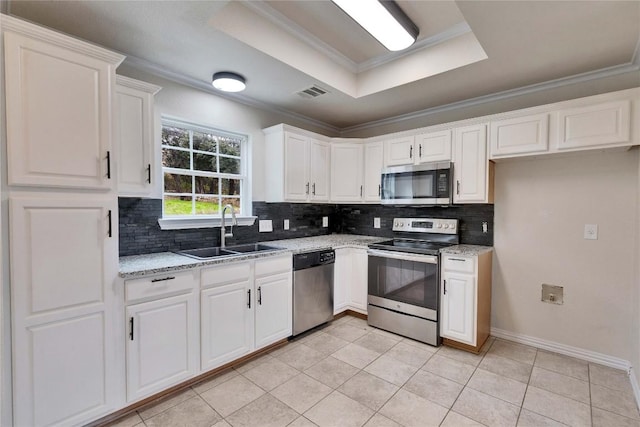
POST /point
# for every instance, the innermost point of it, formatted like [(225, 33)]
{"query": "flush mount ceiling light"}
[(384, 20), (228, 82)]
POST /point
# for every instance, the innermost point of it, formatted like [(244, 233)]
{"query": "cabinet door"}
[(358, 280), (346, 173), (296, 163), (602, 124), (434, 146), (226, 323), (162, 342), (273, 308), (319, 168), (470, 169), (373, 163), (58, 115), (399, 151), (341, 280), (63, 269), (521, 135), (134, 136), (458, 318)]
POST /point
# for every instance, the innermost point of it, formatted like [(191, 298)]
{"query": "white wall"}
[(540, 211)]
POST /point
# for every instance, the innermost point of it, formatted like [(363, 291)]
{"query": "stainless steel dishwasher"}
[(312, 289)]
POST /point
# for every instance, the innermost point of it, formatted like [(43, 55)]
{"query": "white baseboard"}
[(578, 353), (634, 384)]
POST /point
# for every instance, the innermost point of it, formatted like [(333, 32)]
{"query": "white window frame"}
[(206, 221)]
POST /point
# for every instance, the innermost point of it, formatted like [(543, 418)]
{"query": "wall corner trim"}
[(634, 385), (567, 350)]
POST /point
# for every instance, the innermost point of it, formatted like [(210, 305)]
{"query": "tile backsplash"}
[(141, 234)]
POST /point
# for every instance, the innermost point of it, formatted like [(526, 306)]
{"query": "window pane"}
[(175, 159), (175, 137), (205, 185), (206, 206), (230, 187), (174, 183), (229, 165), (204, 142), (204, 162), (233, 202), (229, 146), (177, 205)]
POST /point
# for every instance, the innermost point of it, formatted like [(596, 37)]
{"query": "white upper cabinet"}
[(346, 172), (135, 136), (297, 166), (473, 182), (319, 165), (433, 146), (520, 135), (399, 151), (594, 125), (59, 111), (373, 163)]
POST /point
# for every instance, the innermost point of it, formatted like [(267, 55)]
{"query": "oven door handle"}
[(427, 259)]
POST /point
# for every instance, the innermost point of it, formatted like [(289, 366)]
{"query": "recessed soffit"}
[(320, 54)]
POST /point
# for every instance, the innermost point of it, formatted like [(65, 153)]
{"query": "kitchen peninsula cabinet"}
[(350, 280), (298, 165), (134, 118), (465, 297)]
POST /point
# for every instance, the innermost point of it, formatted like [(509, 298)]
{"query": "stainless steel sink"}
[(251, 247), (206, 253), (215, 252)]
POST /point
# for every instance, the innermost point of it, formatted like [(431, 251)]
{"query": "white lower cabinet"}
[(162, 342), (245, 306), (465, 295), (350, 280)]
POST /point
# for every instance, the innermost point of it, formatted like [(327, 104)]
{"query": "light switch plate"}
[(591, 231), (376, 222), (286, 224), (265, 226), (325, 221)]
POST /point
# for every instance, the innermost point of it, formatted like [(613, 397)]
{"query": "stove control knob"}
[(452, 226), (446, 226), (439, 225)]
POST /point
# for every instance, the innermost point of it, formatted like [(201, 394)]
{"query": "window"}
[(204, 169)]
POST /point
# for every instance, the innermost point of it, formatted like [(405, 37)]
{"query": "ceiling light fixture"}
[(384, 20), (228, 82)]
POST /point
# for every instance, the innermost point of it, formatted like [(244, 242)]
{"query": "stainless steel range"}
[(404, 277)]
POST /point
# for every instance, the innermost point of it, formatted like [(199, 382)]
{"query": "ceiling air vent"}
[(312, 92)]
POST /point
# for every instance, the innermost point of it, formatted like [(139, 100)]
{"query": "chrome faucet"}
[(223, 231)]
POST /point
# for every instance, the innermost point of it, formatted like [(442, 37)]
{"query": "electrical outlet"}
[(485, 227), (286, 224), (325, 221), (376, 222), (591, 231), (265, 226)]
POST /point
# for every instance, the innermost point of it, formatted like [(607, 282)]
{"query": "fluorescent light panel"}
[(383, 20)]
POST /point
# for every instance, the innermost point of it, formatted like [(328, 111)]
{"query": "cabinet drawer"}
[(273, 265), (170, 283), (226, 273), (459, 263)]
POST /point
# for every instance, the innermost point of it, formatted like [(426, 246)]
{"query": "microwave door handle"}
[(426, 259)]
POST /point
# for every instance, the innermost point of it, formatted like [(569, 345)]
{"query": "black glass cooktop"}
[(411, 246)]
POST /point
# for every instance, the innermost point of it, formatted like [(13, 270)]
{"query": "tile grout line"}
[(527, 388)]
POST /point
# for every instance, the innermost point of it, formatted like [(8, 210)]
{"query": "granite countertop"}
[(140, 265), (468, 250)]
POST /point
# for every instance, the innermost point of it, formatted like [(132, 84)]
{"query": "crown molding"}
[(43, 34), (498, 96), (137, 84), (157, 70)]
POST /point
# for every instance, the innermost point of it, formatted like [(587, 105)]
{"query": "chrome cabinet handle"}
[(131, 326), (379, 190), (457, 259), (445, 287), (361, 191), (420, 151), (307, 192), (108, 165), (249, 298), (164, 279), (458, 187), (110, 232), (260, 295), (411, 152), (314, 189), (149, 173)]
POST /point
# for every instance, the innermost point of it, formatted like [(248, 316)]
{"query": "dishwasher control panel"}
[(311, 259)]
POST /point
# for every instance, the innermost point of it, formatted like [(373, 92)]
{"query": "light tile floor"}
[(349, 374)]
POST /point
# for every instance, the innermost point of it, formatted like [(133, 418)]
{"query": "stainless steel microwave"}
[(424, 184)]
